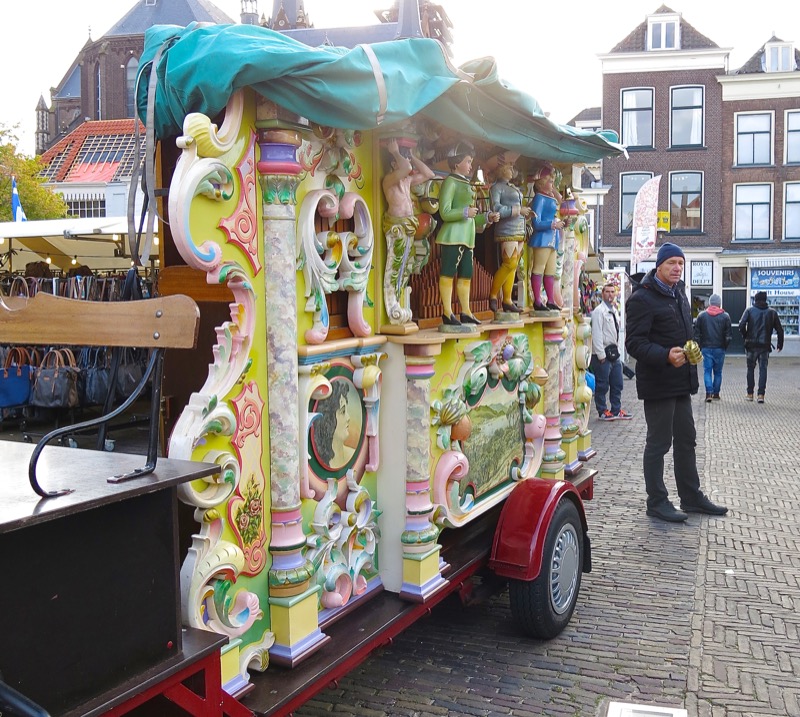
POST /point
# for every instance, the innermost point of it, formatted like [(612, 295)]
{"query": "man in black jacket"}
[(756, 325), (712, 331), (659, 322)]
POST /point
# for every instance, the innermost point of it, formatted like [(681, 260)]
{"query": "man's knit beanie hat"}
[(667, 251)]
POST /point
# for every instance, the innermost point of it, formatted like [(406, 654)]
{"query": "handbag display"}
[(55, 383)]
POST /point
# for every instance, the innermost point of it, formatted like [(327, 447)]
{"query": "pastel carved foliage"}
[(333, 261)]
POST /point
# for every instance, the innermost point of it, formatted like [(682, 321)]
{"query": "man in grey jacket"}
[(756, 325), (606, 362), (712, 331)]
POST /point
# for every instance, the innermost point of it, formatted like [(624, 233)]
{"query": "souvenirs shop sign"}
[(783, 280)]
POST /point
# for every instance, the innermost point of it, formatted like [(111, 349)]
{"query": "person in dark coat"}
[(658, 324), (713, 334), (756, 326)]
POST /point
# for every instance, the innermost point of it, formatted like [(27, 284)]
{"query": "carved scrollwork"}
[(343, 544), (332, 261)]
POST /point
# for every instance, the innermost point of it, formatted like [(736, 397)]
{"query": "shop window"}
[(791, 212), (753, 138), (629, 184), (686, 125), (792, 138), (686, 202), (637, 118), (753, 209), (734, 296)]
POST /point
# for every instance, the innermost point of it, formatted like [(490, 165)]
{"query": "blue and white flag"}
[(16, 205)]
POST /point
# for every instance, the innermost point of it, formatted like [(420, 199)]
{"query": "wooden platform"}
[(279, 691), (92, 609)]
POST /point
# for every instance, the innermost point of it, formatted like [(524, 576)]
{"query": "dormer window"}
[(664, 32), (778, 57)]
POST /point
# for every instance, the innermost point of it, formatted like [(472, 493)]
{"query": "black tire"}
[(543, 606)]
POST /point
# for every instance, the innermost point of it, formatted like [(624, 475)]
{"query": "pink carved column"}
[(553, 460), (292, 600), (422, 564)]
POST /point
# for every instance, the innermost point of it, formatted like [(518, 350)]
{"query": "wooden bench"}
[(91, 619), (157, 324)]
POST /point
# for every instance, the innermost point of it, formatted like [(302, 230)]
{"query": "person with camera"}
[(606, 363)]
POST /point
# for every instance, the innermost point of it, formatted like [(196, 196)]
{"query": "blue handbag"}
[(16, 377)]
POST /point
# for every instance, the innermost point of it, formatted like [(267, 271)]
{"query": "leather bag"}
[(56, 381), (16, 377)]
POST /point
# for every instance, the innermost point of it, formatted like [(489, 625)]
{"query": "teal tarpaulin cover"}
[(201, 66)]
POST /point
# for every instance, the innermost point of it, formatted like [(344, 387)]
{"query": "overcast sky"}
[(549, 53)]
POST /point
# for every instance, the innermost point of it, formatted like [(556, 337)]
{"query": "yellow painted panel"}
[(419, 572), (294, 623)]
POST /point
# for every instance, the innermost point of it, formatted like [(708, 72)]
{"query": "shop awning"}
[(767, 262), (380, 83), (99, 243)]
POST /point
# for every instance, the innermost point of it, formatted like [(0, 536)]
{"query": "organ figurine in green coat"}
[(460, 218)]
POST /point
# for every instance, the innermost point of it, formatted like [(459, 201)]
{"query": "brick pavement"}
[(702, 615)]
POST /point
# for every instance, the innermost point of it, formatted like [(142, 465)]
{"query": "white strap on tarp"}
[(383, 95)]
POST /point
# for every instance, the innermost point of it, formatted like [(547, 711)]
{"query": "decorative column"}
[(583, 394), (293, 601), (553, 460), (569, 427), (422, 563)]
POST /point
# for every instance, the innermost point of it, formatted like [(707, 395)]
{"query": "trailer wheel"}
[(543, 606)]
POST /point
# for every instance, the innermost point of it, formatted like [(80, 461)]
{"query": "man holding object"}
[(606, 363), (659, 323)]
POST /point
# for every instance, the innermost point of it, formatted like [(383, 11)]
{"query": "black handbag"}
[(55, 382), (612, 352), (130, 371), (96, 375)]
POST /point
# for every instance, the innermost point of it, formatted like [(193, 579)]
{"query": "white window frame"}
[(791, 134), (771, 188), (702, 108), (736, 159), (779, 57), (622, 196), (672, 228), (662, 21), (623, 111), (795, 207)]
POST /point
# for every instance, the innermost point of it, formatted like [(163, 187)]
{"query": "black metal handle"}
[(155, 368)]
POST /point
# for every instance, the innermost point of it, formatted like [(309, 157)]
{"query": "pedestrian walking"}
[(606, 362), (658, 324), (712, 332), (757, 324)]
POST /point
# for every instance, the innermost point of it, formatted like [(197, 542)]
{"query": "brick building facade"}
[(726, 144)]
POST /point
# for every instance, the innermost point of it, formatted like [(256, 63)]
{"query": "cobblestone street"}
[(702, 615)]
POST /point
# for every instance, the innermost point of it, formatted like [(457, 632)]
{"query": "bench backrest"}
[(163, 322)]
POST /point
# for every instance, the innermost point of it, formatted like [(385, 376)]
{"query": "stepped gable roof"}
[(147, 13), (691, 39), (754, 64), (96, 151)]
